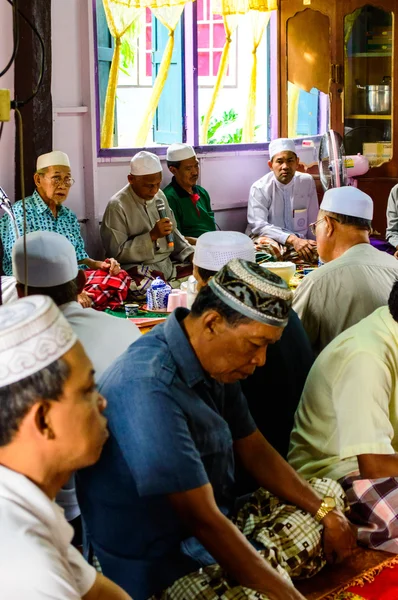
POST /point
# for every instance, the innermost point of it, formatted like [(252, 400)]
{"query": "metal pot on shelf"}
[(375, 99)]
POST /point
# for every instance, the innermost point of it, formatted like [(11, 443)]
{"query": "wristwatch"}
[(328, 504)]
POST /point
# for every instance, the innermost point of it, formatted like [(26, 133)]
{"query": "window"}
[(142, 49)]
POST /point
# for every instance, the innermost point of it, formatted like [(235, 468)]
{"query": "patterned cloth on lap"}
[(288, 538)]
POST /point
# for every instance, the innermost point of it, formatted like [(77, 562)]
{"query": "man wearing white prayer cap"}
[(356, 279), (135, 233), (51, 424), (52, 271), (45, 211), (281, 206), (215, 248), (189, 202)]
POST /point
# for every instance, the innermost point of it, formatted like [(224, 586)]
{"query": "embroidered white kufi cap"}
[(215, 248), (281, 145), (51, 259), (33, 334), (177, 152), (145, 163), (52, 159), (349, 201)]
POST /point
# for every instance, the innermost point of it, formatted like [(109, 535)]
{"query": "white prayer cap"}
[(177, 152), (52, 159), (51, 259), (33, 334), (215, 248), (281, 145), (348, 200), (145, 163)]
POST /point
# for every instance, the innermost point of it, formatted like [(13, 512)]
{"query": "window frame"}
[(191, 130)]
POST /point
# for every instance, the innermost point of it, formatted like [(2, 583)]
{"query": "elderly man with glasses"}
[(356, 278), (45, 211)]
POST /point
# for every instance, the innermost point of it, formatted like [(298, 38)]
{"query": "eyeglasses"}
[(312, 226), (57, 181)]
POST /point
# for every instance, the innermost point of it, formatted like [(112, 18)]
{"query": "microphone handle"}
[(169, 237)]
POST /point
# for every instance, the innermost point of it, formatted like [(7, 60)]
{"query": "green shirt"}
[(191, 220)]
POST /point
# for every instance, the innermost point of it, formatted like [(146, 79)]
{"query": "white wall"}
[(7, 142)]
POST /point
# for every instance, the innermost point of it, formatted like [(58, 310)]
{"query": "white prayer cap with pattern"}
[(51, 259), (33, 334), (281, 145), (145, 163), (348, 200), (177, 152), (215, 249), (52, 159)]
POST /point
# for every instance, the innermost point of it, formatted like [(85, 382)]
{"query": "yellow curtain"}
[(169, 16), (120, 15), (259, 21), (230, 9), (293, 94)]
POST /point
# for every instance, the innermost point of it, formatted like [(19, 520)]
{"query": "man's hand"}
[(162, 228), (84, 299), (112, 265), (304, 248), (396, 253), (339, 537)]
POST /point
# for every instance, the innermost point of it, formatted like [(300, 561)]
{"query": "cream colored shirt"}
[(344, 291), (349, 405), (125, 229)]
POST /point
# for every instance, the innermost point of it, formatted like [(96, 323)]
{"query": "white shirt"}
[(278, 210), (349, 404), (37, 560), (103, 336), (344, 291), (104, 339), (8, 289)]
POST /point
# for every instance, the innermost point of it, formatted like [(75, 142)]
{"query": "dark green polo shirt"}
[(189, 222)]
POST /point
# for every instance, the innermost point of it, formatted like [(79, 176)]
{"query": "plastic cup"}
[(131, 310), (174, 300)]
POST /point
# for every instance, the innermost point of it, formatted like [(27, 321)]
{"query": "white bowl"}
[(286, 270)]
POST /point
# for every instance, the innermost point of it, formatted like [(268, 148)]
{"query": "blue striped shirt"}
[(39, 218)]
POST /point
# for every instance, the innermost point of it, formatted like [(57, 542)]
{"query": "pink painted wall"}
[(7, 142)]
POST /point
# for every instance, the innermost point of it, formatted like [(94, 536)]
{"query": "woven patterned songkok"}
[(253, 291)]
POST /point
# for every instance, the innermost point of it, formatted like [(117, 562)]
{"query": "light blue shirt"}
[(39, 218)]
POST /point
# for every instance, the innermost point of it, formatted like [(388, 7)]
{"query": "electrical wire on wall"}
[(15, 18), (16, 104)]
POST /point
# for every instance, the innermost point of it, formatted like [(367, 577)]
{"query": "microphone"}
[(160, 205)]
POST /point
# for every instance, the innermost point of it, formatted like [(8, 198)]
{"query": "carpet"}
[(366, 575)]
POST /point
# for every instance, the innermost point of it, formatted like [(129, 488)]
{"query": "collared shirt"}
[(344, 291), (40, 218), (104, 337), (350, 401), (278, 210), (172, 430), (392, 217), (125, 228), (37, 559), (192, 220)]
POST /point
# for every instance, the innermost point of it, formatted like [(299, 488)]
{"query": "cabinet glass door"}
[(368, 50), (308, 68)]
